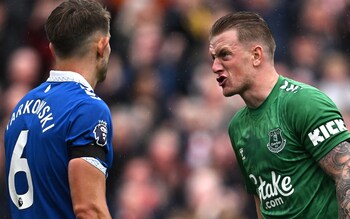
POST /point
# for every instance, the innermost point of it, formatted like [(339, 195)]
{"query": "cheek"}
[(238, 76), (239, 67), (234, 69)]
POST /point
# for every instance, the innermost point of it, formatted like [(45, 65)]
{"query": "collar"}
[(68, 76)]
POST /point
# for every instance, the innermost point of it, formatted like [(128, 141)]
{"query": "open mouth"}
[(221, 79)]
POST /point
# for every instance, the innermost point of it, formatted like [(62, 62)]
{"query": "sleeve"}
[(316, 121), (91, 124)]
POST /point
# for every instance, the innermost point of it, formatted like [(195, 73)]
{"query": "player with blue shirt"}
[(58, 141)]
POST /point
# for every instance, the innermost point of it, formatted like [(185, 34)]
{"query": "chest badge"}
[(276, 141)]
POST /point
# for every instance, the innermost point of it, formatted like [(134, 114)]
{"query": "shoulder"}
[(93, 107), (87, 98), (88, 93), (237, 117), (302, 97), (306, 109), (297, 90), (87, 107)]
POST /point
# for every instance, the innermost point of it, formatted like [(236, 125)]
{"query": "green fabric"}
[(278, 145)]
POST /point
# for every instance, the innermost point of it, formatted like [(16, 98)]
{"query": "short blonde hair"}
[(250, 27)]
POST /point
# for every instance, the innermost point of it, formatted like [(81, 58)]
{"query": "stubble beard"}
[(102, 73), (229, 92), (234, 90)]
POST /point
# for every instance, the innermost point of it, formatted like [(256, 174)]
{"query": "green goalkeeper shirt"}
[(278, 146)]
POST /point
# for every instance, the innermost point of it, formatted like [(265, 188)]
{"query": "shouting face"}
[(231, 63)]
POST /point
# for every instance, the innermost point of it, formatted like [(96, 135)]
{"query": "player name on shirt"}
[(37, 107)]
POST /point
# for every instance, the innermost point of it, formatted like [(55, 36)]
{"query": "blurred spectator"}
[(13, 31), (36, 36), (279, 15), (208, 198), (343, 30), (305, 53), (24, 67), (164, 154), (140, 195), (3, 22), (335, 79), (164, 149)]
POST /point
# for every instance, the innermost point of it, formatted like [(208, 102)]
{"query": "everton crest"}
[(276, 141), (100, 132)]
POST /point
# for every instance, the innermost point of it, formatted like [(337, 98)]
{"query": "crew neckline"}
[(68, 76)]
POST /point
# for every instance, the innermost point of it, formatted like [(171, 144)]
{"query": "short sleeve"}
[(316, 121), (90, 123)]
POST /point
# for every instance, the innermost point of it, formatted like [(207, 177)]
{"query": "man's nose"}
[(216, 66)]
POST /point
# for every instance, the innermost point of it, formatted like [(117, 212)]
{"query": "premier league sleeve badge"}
[(100, 133)]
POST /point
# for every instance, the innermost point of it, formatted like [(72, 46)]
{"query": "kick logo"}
[(326, 131), (276, 141)]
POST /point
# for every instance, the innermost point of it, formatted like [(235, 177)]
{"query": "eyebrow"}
[(221, 51)]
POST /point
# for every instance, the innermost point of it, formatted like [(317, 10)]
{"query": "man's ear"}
[(257, 54), (52, 49), (101, 46)]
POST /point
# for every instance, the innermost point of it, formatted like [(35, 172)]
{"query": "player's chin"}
[(228, 93)]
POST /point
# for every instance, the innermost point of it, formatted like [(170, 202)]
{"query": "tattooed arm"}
[(337, 164)]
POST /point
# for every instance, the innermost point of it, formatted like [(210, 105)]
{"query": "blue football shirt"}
[(61, 113)]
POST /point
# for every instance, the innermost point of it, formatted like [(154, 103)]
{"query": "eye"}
[(225, 55)]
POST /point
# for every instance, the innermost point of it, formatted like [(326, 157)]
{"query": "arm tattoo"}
[(337, 165)]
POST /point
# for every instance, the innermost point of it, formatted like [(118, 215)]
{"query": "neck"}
[(260, 89), (80, 66)]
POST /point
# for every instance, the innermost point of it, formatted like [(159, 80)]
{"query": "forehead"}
[(227, 38)]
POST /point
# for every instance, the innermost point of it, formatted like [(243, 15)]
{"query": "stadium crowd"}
[(172, 155)]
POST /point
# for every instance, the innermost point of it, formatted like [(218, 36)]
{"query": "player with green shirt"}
[(290, 139), (277, 145)]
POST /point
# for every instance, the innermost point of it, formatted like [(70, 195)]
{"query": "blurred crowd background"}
[(173, 158)]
